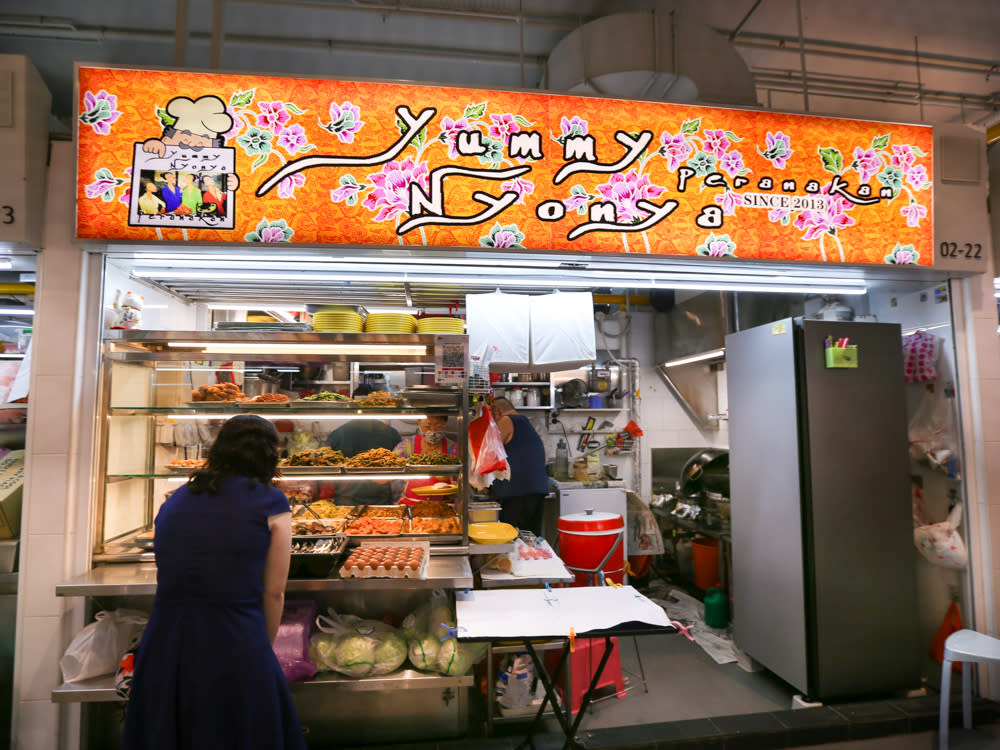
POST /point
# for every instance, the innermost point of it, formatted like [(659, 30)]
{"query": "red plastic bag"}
[(487, 445), (952, 624)]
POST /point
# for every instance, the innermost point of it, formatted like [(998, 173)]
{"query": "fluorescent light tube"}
[(282, 306), (252, 347), (16, 311), (331, 477), (311, 416), (716, 354)]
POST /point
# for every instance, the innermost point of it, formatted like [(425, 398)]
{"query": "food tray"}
[(434, 468), (182, 469), (305, 512), (303, 404), (330, 526), (432, 509), (318, 469), (390, 523), (230, 402), (452, 521), (144, 540), (319, 547), (261, 404), (374, 469), (392, 572), (384, 511)]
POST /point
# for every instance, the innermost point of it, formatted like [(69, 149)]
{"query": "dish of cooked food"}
[(187, 463), (378, 399), (384, 511), (431, 509), (371, 526), (314, 457), (376, 458), (326, 396), (432, 458), (435, 526), (307, 527), (325, 509), (218, 392), (270, 398)]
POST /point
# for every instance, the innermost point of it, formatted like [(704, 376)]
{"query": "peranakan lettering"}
[(838, 186), (633, 148), (656, 215), (525, 146), (433, 202), (470, 143)]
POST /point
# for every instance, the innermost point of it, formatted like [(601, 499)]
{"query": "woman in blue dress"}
[(206, 675)]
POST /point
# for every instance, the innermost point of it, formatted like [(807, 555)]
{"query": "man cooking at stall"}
[(430, 438)]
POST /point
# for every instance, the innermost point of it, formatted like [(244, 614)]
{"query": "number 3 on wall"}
[(970, 250), (8, 215)]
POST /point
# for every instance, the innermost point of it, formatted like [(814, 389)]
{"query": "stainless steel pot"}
[(255, 385)]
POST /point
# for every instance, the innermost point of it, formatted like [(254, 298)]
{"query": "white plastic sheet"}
[(562, 331), (501, 320)]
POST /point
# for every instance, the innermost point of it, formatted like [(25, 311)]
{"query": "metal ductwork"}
[(653, 54)]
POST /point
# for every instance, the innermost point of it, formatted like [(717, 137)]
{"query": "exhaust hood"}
[(690, 344)]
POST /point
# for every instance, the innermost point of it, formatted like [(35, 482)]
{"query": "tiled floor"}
[(689, 701)]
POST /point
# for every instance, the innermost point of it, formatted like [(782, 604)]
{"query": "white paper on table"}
[(537, 613)]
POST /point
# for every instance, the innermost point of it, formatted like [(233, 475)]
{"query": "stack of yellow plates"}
[(345, 321), (390, 323), (440, 324), (492, 532)]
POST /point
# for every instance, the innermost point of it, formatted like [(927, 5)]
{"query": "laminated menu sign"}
[(11, 489), (174, 156), (450, 356)]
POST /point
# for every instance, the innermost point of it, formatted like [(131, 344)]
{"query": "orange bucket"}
[(705, 558), (591, 545)]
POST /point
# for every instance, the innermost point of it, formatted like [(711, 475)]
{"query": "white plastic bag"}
[(941, 544), (98, 648), (562, 331)]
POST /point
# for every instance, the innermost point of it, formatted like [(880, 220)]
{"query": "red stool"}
[(583, 662)]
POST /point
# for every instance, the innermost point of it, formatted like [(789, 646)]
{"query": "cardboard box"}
[(11, 489)]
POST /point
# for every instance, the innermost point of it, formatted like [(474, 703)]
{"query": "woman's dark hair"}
[(247, 446)]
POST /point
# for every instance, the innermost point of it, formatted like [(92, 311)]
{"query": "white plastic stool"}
[(963, 646)]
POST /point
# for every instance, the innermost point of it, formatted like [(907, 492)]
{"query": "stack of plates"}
[(337, 321), (390, 323), (440, 324)]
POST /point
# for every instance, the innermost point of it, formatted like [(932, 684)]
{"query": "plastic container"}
[(716, 608), (705, 557), (562, 460), (23, 339), (591, 545), (596, 402)]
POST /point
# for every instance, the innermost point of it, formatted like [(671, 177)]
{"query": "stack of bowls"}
[(390, 323), (440, 324), (337, 319)]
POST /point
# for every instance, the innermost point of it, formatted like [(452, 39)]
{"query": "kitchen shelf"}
[(400, 680), (13, 406), (321, 409), (510, 386), (139, 579), (95, 690), (102, 689), (495, 579)]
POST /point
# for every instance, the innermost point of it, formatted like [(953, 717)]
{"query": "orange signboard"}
[(179, 156)]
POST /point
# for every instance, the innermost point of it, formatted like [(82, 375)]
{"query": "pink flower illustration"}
[(286, 188), (913, 212), (917, 177), (778, 215), (345, 191), (449, 133), (732, 163), (104, 185), (345, 121), (100, 111), (520, 186), (293, 138), (391, 196), (503, 127), (273, 116), (778, 149), (902, 157), (127, 195), (729, 201), (716, 143), (830, 219), (574, 126), (675, 148), (237, 125), (625, 191), (866, 163)]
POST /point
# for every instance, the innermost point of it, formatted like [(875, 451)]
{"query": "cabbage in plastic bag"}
[(321, 650), (354, 655), (389, 654), (456, 658), (424, 652)]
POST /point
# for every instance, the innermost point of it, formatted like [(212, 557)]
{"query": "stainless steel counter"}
[(596, 484), (139, 579)]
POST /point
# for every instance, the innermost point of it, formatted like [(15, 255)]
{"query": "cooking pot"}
[(706, 471), (254, 384)]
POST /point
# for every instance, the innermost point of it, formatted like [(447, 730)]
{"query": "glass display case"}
[(165, 394)]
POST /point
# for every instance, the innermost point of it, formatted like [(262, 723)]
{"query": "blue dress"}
[(205, 673)]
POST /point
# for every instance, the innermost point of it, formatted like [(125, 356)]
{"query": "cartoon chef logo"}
[(185, 178)]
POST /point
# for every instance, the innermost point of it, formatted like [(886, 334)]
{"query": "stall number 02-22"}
[(970, 250)]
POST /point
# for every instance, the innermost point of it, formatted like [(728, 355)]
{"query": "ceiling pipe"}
[(218, 15), (180, 33), (735, 32)]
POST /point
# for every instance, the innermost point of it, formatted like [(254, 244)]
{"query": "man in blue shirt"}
[(521, 497), (170, 193)]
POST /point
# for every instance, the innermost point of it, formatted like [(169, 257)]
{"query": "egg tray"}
[(392, 572)]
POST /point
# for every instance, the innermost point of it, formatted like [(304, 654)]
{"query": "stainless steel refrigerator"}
[(824, 579)]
